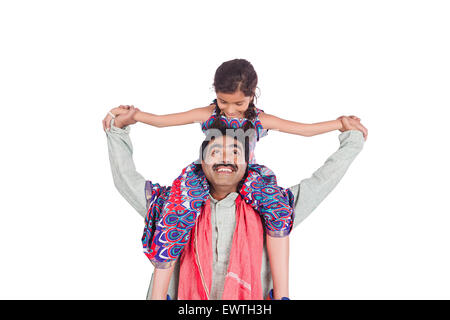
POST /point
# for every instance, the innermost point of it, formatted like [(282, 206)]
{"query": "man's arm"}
[(130, 183), (310, 192)]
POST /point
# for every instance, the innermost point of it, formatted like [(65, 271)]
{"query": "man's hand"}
[(124, 115), (353, 123), (125, 119)]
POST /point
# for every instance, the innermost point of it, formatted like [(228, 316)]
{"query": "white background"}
[(65, 231)]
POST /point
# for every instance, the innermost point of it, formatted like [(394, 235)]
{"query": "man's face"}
[(224, 163)]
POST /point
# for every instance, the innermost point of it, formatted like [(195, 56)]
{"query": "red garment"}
[(243, 280)]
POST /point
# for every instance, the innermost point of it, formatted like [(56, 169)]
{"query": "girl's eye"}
[(238, 104)]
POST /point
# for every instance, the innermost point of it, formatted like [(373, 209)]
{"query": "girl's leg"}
[(278, 249), (161, 280)]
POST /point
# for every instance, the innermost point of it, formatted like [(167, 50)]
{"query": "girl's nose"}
[(231, 112)]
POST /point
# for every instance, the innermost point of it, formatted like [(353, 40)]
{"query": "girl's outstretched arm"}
[(175, 119), (269, 121)]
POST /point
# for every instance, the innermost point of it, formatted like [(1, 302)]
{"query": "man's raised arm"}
[(129, 182), (310, 192)]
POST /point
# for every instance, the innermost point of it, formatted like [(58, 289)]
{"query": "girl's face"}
[(233, 105)]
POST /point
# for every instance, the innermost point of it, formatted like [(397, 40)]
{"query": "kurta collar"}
[(228, 201)]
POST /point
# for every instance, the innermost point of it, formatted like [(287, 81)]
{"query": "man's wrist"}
[(120, 128), (118, 124), (352, 136)]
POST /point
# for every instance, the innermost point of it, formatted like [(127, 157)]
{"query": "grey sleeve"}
[(309, 193), (130, 183)]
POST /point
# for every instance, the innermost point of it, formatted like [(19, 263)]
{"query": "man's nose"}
[(224, 156), (227, 157)]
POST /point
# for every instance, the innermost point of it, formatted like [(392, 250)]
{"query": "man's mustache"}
[(233, 166)]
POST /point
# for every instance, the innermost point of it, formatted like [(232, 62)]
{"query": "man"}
[(308, 194)]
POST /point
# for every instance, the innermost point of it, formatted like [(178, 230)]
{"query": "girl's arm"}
[(269, 121), (175, 119)]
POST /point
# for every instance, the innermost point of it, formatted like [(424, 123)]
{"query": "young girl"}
[(235, 84)]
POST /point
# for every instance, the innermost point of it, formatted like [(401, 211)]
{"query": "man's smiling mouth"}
[(224, 169)]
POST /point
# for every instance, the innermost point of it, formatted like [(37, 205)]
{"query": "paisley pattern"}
[(173, 211)]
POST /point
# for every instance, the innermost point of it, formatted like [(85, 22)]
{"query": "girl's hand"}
[(352, 123), (122, 109)]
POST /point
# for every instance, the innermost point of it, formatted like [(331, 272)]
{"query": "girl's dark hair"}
[(234, 75)]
